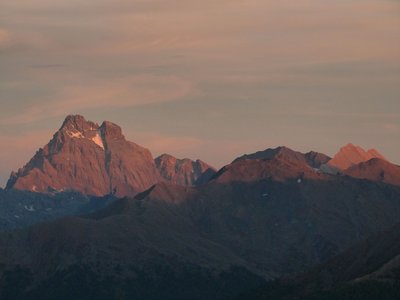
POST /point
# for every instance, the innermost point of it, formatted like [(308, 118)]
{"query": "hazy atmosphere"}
[(202, 79)]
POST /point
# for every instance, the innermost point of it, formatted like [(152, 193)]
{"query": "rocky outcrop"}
[(183, 171)]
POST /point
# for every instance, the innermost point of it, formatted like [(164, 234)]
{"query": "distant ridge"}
[(266, 215), (313, 159), (97, 160), (376, 169), (351, 155)]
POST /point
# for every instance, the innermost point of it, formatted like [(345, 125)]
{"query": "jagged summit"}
[(183, 171), (92, 159), (78, 122), (98, 160), (76, 126), (350, 155)]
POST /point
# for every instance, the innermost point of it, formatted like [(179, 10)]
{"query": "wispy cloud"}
[(114, 94), (228, 69), (4, 37)]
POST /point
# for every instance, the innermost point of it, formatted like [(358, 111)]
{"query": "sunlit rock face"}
[(183, 171), (92, 159), (351, 155)]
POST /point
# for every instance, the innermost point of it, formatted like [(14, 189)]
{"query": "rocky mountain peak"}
[(183, 171), (350, 155), (77, 123), (88, 158), (98, 160)]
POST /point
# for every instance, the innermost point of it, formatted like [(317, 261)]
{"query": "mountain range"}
[(178, 229), (98, 160)]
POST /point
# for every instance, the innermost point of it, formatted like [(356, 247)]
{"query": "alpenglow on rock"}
[(351, 155), (88, 158), (184, 171)]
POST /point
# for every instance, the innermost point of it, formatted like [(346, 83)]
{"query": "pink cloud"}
[(4, 37), (124, 92)]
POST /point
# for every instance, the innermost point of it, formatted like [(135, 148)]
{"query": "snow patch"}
[(34, 188), (77, 135), (299, 180), (29, 208), (98, 140)]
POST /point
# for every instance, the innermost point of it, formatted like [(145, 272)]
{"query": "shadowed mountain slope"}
[(232, 233), (368, 270), (265, 215), (376, 170)]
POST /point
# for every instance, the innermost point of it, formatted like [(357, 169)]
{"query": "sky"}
[(210, 79)]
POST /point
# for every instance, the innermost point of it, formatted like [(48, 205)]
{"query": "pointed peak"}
[(78, 123), (350, 155), (349, 146), (74, 118), (352, 148), (371, 153)]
